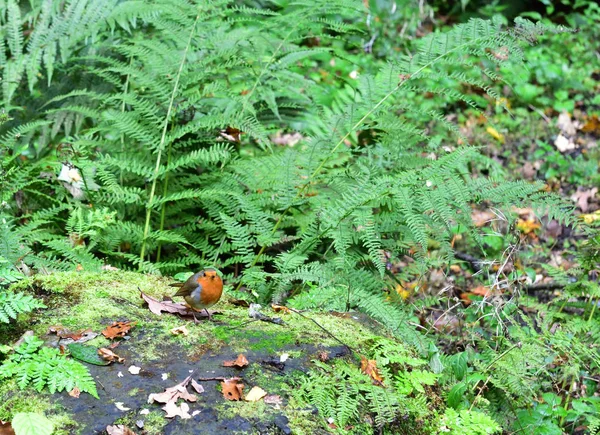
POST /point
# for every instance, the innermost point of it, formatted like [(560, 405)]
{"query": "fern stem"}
[(162, 140), (164, 206), (123, 111)]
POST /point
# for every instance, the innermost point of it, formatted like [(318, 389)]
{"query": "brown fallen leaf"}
[(240, 362), (119, 429), (280, 308), (118, 329), (196, 386), (75, 336), (369, 368), (255, 394), (273, 399), (157, 307), (173, 410), (6, 428), (174, 393), (180, 330), (75, 392), (584, 197), (109, 355), (232, 388)]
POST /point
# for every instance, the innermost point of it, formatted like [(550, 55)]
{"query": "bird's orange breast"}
[(212, 289)]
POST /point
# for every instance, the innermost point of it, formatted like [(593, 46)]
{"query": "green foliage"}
[(39, 366), (12, 304), (467, 423), (30, 423), (345, 396)]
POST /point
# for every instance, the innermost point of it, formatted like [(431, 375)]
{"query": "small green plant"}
[(39, 366), (13, 304), (31, 423), (353, 403)]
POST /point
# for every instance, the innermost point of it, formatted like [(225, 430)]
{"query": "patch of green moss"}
[(14, 400)]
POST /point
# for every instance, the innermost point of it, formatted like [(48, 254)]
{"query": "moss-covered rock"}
[(82, 300)]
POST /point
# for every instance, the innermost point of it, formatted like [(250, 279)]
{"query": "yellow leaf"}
[(590, 217), (255, 394), (494, 133), (404, 294)]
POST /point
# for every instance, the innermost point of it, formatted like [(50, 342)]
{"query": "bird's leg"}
[(208, 314), (194, 316)]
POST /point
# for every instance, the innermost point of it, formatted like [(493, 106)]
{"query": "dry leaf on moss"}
[(180, 330), (240, 362), (118, 329), (174, 393), (369, 367), (119, 429), (232, 388), (109, 355), (157, 307), (255, 394)]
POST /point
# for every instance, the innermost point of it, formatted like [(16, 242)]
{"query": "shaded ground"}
[(84, 300)]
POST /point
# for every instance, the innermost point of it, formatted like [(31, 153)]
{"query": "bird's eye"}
[(203, 274)]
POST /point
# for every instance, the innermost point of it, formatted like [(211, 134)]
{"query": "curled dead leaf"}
[(232, 388), (255, 394), (109, 355), (118, 329), (240, 362), (75, 392), (280, 308), (180, 330), (119, 429), (369, 368)]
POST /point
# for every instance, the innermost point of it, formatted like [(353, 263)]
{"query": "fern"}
[(13, 304), (44, 367)]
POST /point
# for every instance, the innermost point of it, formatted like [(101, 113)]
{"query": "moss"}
[(13, 400), (94, 300)]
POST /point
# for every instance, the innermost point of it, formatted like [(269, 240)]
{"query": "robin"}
[(201, 291)]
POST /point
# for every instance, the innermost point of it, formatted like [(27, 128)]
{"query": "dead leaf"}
[(495, 134), (180, 330), (286, 139), (174, 393), (6, 428), (109, 355), (273, 399), (563, 144), (584, 197), (592, 124), (481, 291), (196, 386), (134, 370), (369, 367), (232, 388), (255, 394), (231, 134), (121, 407), (173, 410), (118, 329), (240, 362), (480, 218), (65, 333), (528, 226), (158, 307), (565, 124), (75, 392), (119, 429), (278, 308)]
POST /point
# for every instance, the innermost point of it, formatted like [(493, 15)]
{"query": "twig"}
[(326, 331), (473, 261), (216, 378), (544, 286)]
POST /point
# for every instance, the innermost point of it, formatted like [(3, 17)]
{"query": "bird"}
[(201, 291)]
